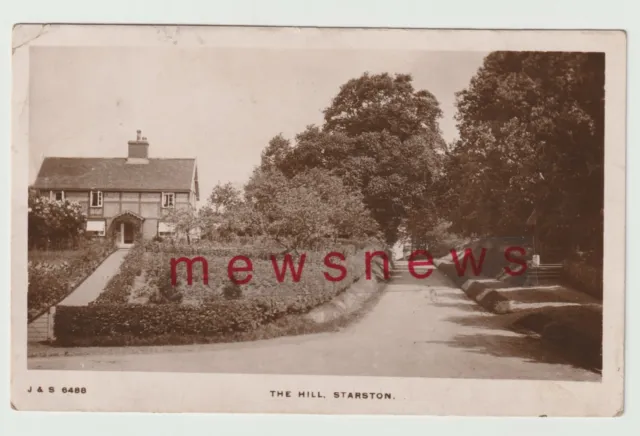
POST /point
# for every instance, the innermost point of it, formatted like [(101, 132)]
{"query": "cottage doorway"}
[(127, 233), (126, 227)]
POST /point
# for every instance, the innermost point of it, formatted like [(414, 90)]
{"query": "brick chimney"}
[(138, 150)]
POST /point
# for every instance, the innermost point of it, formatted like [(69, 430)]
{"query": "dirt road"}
[(419, 328)]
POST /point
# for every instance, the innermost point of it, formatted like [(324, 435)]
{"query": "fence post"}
[(50, 318)]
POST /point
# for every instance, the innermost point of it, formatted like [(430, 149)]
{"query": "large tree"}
[(531, 138), (378, 102), (381, 138), (392, 176)]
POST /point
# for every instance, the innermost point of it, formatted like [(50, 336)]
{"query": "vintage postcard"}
[(307, 220)]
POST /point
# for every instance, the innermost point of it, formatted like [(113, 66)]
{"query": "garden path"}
[(93, 286)]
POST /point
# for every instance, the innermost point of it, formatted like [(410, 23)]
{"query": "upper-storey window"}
[(168, 199), (56, 195), (96, 198)]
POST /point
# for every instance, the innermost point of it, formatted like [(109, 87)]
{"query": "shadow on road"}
[(506, 345), (502, 336)]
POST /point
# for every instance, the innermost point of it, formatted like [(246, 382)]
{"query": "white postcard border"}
[(186, 392)]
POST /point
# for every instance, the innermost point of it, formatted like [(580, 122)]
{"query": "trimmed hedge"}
[(110, 322), (155, 320), (119, 323)]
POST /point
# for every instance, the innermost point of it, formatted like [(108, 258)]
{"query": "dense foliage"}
[(381, 139), (186, 222), (292, 213), (380, 102), (531, 139), (54, 224)]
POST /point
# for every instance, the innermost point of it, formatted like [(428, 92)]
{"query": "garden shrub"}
[(54, 224), (232, 291)]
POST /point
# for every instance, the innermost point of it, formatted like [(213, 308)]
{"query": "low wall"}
[(482, 290), (351, 300)]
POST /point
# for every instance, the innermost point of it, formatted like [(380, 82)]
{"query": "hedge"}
[(155, 320), (109, 323)]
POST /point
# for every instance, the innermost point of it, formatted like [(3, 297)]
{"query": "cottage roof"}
[(116, 174)]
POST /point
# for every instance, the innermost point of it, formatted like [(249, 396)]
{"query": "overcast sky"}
[(219, 105)]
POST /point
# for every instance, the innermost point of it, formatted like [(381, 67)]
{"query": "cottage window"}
[(96, 198), (168, 199), (57, 195)]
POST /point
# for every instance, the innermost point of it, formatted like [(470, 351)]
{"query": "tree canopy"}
[(379, 102), (531, 143), (531, 139), (380, 138)]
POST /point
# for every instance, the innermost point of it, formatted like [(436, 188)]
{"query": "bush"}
[(164, 291), (232, 291), (51, 223)]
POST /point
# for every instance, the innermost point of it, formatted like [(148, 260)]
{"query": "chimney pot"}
[(139, 134)]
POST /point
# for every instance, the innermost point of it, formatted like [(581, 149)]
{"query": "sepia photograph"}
[(312, 216)]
